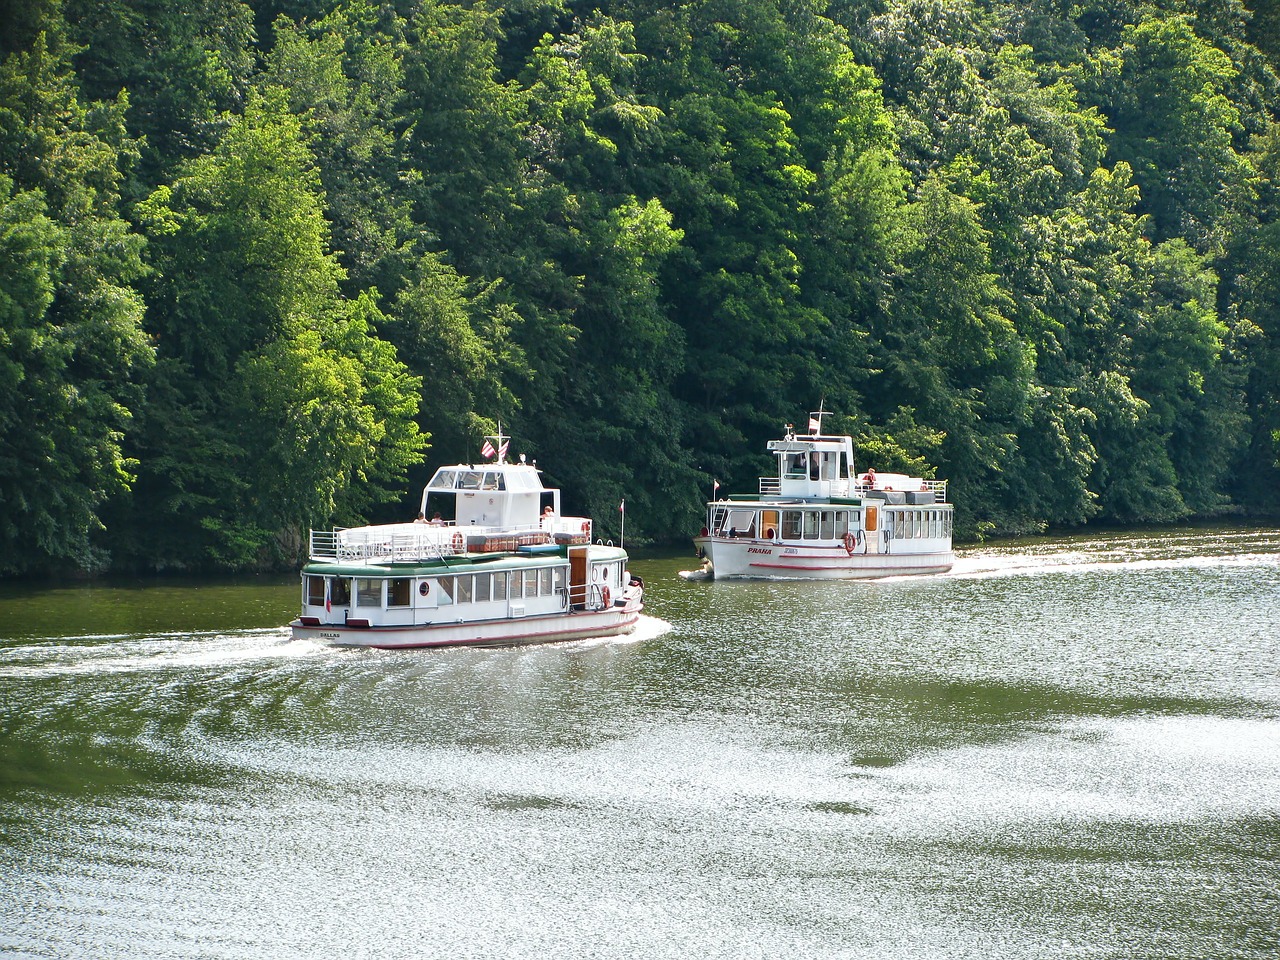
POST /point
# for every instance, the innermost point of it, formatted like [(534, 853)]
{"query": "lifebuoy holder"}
[(458, 540)]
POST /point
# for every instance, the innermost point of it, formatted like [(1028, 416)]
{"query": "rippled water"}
[(1065, 748)]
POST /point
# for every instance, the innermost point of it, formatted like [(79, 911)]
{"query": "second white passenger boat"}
[(816, 519), (507, 569)]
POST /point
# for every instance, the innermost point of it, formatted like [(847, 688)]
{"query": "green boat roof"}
[(459, 563)]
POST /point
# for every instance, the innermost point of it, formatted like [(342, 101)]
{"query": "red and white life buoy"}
[(606, 597), (458, 540), (850, 541), (586, 526)]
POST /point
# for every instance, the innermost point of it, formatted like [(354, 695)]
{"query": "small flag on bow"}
[(487, 450)]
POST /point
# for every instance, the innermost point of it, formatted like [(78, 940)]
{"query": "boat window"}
[(855, 518), (463, 594), (315, 591), (444, 479), (544, 581), (795, 466), (531, 583), (500, 586), (842, 522), (446, 590), (491, 480), (742, 523), (484, 581), (340, 590), (947, 525), (557, 579), (470, 480), (790, 524), (399, 592), (811, 525), (828, 530), (368, 593), (899, 525)]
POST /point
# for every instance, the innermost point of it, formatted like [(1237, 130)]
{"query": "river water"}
[(1064, 748)]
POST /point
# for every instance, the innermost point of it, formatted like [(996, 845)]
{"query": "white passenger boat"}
[(507, 569), (816, 519)]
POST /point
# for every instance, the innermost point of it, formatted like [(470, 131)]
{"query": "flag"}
[(622, 507), (814, 426), (502, 450), (715, 487), (487, 450), (328, 603)]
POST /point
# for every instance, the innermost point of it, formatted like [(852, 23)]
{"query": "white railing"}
[(770, 487), (937, 487), (345, 546)]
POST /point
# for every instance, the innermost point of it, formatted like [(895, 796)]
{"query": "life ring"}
[(586, 526), (605, 596), (458, 540), (850, 541)]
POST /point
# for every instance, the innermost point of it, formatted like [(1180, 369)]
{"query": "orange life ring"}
[(458, 540), (850, 541), (586, 526), (606, 596)]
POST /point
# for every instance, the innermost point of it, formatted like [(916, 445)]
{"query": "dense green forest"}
[(263, 266)]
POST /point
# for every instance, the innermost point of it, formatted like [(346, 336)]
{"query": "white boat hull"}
[(761, 559), (514, 631)]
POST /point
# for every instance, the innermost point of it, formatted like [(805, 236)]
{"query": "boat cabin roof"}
[(515, 477), (460, 564)]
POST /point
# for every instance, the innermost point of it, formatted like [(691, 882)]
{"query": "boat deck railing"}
[(346, 546), (937, 487), (408, 542)]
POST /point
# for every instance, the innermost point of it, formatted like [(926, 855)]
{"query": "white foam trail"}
[(156, 652)]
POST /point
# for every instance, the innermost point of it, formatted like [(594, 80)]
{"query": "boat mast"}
[(496, 445), (815, 418)]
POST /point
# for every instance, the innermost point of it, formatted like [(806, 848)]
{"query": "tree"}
[(72, 352), (277, 406)]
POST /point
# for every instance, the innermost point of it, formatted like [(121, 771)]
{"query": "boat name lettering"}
[(325, 635), (765, 550)]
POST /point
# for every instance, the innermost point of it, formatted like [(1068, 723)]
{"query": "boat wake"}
[(130, 653), (1205, 552), (647, 628)]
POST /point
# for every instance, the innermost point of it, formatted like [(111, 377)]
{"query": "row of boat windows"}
[(914, 524), (825, 524), (454, 479), (462, 588), (795, 524)]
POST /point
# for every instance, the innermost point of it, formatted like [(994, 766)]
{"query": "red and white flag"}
[(487, 450), (622, 507), (814, 426), (502, 450), (328, 602), (715, 487)]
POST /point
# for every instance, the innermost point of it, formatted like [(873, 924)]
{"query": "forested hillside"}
[(263, 266)]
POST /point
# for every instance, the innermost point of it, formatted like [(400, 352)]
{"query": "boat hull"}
[(734, 558), (550, 628)]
